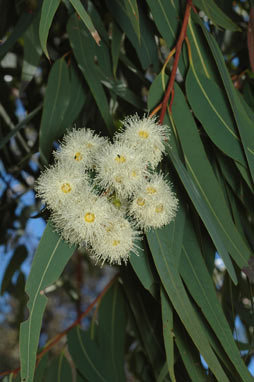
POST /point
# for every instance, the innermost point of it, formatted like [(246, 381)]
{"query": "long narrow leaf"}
[(49, 8), (49, 262)]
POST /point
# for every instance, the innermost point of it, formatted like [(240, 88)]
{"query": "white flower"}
[(115, 243), (146, 136), (79, 147), (59, 184), (155, 205), (120, 167), (79, 222)]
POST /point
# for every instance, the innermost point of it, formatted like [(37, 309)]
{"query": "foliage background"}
[(90, 63)]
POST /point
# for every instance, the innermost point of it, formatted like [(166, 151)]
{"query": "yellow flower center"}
[(140, 202), (78, 156), (115, 243), (117, 203), (151, 190), (89, 217), (118, 179), (134, 174), (120, 159), (159, 208), (109, 228), (143, 134), (66, 188), (89, 145)]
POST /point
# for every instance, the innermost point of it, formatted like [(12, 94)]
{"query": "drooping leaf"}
[(78, 97), (145, 48), (213, 110), (202, 174), (86, 19), (197, 155), (145, 313), (163, 248), (19, 126), (17, 259), (48, 10), (86, 355), (242, 117), (191, 359), (101, 357), (32, 51), (55, 104), (84, 48), (23, 23), (215, 13), (200, 285), (59, 370), (116, 46), (250, 38), (168, 333), (142, 267), (111, 332), (131, 7), (49, 261)]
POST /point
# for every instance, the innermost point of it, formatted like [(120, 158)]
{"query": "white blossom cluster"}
[(101, 194)]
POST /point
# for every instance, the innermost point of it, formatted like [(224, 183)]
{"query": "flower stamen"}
[(120, 158), (66, 188), (140, 202), (159, 208), (151, 190), (143, 134), (78, 156), (89, 217)]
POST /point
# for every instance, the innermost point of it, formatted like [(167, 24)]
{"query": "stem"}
[(176, 60)]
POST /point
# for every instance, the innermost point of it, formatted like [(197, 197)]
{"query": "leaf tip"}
[(96, 37)]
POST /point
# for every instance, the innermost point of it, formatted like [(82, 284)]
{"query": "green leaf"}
[(191, 359), (197, 154), (17, 259), (84, 47), (102, 358), (168, 334), (49, 261), (32, 51), (242, 116), (86, 19), (142, 267), (78, 97), (164, 248), (199, 282), (202, 174), (86, 355), (111, 332), (146, 318), (21, 26), (132, 12), (59, 370), (214, 13), (55, 104), (48, 10), (146, 48), (41, 368), (209, 105), (201, 56), (165, 16), (19, 126), (116, 46)]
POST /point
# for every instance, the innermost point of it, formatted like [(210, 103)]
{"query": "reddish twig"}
[(57, 338), (169, 91)]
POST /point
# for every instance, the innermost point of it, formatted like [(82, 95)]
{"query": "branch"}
[(176, 60)]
